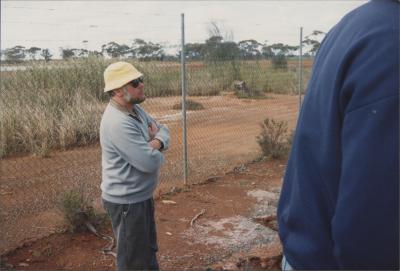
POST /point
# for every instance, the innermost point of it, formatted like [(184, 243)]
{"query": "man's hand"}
[(155, 144), (153, 130)]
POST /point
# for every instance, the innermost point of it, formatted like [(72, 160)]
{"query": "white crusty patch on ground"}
[(266, 202), (238, 233), (231, 234), (262, 195)]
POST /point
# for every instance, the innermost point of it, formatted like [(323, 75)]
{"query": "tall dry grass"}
[(48, 106)]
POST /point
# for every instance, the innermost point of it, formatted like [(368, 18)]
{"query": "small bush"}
[(77, 210), (279, 62), (274, 140), (190, 105)]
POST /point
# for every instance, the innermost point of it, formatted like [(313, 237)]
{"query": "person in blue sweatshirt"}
[(339, 205), (131, 145)]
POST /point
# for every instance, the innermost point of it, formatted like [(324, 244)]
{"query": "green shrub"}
[(273, 139), (77, 210)]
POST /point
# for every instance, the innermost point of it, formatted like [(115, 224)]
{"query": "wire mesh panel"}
[(50, 118), (51, 104), (51, 112), (227, 102), (163, 89)]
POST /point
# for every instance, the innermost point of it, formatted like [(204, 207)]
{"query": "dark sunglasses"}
[(135, 83)]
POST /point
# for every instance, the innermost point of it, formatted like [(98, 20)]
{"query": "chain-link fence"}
[(50, 116)]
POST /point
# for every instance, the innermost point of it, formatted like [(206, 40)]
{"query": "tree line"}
[(213, 48)]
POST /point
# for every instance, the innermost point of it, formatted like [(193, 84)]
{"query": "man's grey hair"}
[(111, 93)]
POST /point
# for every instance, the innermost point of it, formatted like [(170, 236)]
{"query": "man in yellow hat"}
[(132, 143)]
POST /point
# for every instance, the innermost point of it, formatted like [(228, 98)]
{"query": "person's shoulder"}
[(375, 14), (371, 24), (115, 119), (111, 112)]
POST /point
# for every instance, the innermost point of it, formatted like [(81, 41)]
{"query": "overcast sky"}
[(54, 24)]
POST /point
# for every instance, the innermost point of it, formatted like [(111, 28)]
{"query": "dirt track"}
[(219, 137)]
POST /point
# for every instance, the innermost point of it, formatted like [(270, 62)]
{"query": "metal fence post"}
[(300, 66), (183, 78)]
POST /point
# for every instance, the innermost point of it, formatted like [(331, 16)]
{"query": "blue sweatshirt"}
[(339, 206), (130, 167)]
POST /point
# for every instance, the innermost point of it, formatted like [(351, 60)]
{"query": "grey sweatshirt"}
[(130, 167)]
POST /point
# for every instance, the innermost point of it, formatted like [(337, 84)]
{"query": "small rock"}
[(168, 233), (23, 264)]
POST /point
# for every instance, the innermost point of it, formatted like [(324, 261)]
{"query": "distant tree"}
[(228, 51), (111, 49), (216, 30), (266, 51), (67, 53), (147, 50), (95, 53), (45, 53), (249, 49), (214, 41), (283, 49), (79, 53), (220, 44), (218, 49), (313, 41), (194, 50), (125, 50), (212, 47), (33, 52), (15, 54), (73, 53), (280, 52), (115, 50)]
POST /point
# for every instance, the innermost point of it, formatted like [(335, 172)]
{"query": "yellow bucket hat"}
[(118, 74)]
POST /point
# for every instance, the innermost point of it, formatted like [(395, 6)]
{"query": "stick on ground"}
[(196, 217)]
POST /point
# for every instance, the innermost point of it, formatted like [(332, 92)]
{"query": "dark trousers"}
[(135, 231)]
